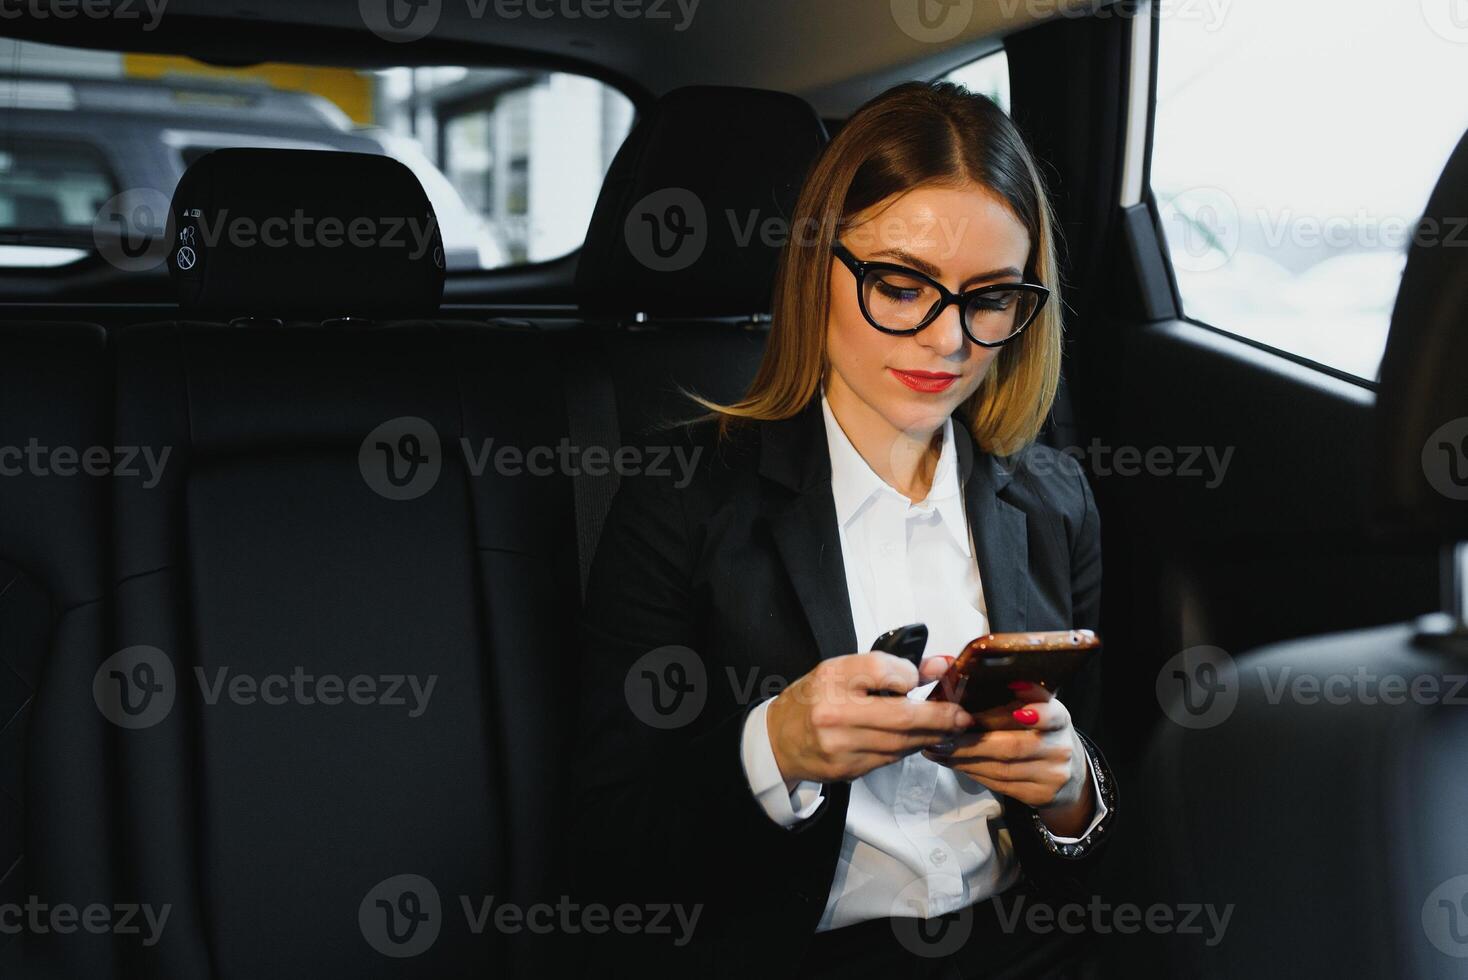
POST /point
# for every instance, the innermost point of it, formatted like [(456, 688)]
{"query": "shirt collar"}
[(854, 484)]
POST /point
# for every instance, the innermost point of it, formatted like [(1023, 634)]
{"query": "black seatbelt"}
[(591, 418)]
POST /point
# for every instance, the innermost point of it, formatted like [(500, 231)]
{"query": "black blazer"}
[(708, 595)]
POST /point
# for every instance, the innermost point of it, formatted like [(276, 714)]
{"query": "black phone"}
[(907, 642)]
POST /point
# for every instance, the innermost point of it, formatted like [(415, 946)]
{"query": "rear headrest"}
[(304, 234), (697, 204), (1422, 402)]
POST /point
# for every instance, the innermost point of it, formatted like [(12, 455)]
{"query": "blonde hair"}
[(912, 135)]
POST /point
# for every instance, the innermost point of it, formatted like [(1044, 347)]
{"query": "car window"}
[(513, 160), (988, 75), (1294, 148), (50, 189)]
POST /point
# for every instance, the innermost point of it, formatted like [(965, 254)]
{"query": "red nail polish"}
[(1026, 716), (1019, 685)]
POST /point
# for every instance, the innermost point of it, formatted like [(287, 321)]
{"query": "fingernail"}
[(1019, 685), (942, 748), (963, 720), (1026, 716)]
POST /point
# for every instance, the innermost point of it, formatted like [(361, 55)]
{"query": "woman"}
[(741, 762)]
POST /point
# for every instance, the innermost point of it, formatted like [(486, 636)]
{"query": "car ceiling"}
[(836, 53)]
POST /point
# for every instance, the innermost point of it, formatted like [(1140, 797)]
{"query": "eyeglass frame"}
[(859, 269)]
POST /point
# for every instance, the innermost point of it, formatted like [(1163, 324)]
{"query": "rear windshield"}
[(512, 160)]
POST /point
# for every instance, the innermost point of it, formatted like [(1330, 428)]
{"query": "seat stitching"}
[(143, 574), (18, 712), (80, 605), (8, 665)]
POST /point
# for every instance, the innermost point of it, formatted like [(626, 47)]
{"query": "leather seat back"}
[(688, 232), (57, 461), (350, 615), (697, 203)]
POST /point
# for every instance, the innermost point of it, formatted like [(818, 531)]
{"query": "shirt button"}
[(937, 855)]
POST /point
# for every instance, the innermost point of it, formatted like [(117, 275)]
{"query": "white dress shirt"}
[(920, 839)]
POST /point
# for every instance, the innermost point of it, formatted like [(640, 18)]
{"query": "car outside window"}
[(1294, 148), (513, 160), (50, 190)]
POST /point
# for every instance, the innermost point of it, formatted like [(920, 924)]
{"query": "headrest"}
[(697, 204), (1422, 401), (304, 234)]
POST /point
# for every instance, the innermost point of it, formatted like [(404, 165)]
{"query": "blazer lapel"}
[(1000, 534), (802, 517)]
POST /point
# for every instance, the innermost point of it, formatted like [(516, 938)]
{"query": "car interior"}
[(192, 433)]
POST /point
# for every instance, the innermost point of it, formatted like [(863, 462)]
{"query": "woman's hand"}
[(1029, 751), (829, 726)]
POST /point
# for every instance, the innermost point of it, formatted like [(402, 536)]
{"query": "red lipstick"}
[(928, 382)]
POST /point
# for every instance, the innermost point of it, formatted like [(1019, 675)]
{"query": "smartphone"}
[(980, 677), (907, 642)]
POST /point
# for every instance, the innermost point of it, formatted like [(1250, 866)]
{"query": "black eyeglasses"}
[(902, 301)]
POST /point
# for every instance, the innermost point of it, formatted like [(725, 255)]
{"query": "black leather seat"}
[(1317, 799), (320, 516), (676, 275), (55, 791), (276, 541)]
